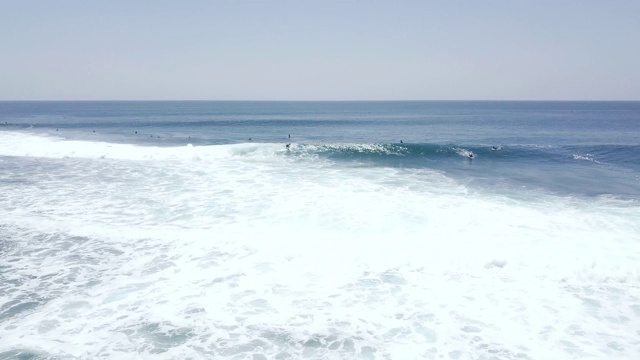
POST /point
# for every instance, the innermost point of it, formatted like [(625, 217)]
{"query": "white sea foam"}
[(358, 148), (586, 157), (464, 152), (45, 146), (256, 254)]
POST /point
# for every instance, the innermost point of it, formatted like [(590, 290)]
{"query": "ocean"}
[(320, 230)]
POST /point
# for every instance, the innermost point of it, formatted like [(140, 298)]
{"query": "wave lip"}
[(48, 146), (43, 146)]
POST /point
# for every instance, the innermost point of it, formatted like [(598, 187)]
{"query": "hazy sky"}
[(320, 50)]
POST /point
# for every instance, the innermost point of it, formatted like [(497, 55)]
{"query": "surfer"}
[(401, 142), (495, 148), (470, 156), (289, 136), (249, 139), (287, 146)]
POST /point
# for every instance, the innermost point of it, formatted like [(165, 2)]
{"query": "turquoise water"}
[(390, 230)]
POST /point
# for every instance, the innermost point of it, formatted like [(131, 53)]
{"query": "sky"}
[(320, 50)]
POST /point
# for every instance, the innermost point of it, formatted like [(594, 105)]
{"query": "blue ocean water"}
[(582, 148), (390, 230)]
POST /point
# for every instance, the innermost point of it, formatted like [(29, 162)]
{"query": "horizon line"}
[(281, 100)]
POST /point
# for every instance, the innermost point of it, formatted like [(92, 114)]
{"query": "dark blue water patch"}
[(15, 308), (25, 354), (491, 122), (568, 170), (559, 179), (415, 155)]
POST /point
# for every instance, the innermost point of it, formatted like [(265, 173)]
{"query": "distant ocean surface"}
[(384, 230)]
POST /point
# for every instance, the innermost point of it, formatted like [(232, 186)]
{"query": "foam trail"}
[(55, 147), (272, 257)]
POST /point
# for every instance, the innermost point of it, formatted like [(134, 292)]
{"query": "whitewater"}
[(112, 246)]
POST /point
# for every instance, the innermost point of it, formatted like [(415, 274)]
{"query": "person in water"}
[(287, 146), (401, 142)]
